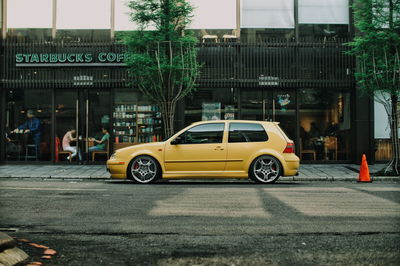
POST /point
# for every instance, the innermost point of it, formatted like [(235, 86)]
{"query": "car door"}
[(200, 149), (244, 139)]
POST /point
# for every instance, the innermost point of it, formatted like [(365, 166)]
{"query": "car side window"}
[(246, 132), (207, 133)]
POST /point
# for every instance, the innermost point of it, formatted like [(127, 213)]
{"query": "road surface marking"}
[(218, 202), (377, 189), (55, 189), (319, 201)]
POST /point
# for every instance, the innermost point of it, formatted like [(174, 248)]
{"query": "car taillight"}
[(289, 148)]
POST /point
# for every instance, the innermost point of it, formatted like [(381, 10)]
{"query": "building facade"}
[(281, 62)]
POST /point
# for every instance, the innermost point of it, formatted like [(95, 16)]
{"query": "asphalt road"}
[(205, 223)]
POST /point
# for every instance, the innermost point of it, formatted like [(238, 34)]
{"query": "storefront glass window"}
[(28, 125), (325, 124), (278, 105), (310, 32), (383, 142), (211, 104), (28, 34), (83, 35), (254, 104), (66, 126), (284, 111), (136, 119), (260, 35)]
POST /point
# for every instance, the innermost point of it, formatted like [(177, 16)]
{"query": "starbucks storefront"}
[(80, 92)]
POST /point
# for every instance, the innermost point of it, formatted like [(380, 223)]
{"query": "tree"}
[(377, 49), (162, 61)]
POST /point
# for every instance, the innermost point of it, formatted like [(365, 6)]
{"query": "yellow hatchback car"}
[(257, 150)]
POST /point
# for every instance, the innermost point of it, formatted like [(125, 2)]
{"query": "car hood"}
[(141, 146)]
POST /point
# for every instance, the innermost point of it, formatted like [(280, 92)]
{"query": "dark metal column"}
[(2, 123), (2, 104), (53, 126), (363, 127)]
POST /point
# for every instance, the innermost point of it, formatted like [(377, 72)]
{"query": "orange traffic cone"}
[(364, 171)]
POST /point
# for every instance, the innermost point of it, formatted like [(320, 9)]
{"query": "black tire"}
[(271, 172), (134, 172)]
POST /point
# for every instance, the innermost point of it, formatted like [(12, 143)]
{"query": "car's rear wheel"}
[(144, 169), (265, 169)]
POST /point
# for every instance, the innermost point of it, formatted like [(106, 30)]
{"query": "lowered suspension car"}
[(257, 150)]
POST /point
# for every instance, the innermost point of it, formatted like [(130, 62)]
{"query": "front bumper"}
[(116, 168)]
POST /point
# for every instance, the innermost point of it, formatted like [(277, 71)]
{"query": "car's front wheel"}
[(144, 169), (265, 169)]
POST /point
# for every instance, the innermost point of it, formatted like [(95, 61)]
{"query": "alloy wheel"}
[(144, 169), (266, 169)]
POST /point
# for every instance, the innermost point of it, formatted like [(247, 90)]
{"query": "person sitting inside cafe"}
[(31, 126), (100, 145), (11, 148), (66, 144)]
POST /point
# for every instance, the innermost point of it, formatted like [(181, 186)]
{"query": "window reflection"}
[(211, 104), (29, 34), (28, 125), (324, 124), (260, 35), (326, 32), (208, 133)]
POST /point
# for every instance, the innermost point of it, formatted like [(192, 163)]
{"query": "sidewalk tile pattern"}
[(316, 172)]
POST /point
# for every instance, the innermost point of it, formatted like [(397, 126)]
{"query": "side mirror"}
[(177, 140)]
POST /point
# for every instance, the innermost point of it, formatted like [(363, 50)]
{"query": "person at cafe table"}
[(31, 126), (66, 143), (100, 144)]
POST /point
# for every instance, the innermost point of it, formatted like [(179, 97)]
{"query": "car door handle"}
[(219, 148)]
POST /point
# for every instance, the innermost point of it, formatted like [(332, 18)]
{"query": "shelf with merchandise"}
[(135, 123)]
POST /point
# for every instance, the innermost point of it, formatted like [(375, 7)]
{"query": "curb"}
[(9, 253), (339, 179), (56, 177), (287, 178), (320, 178)]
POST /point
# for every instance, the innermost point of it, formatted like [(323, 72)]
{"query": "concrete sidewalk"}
[(308, 172)]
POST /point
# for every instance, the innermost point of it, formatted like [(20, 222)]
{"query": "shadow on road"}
[(206, 182)]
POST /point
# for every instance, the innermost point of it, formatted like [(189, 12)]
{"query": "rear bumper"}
[(292, 165)]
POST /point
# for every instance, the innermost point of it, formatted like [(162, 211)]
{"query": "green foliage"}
[(161, 54), (377, 48), (377, 45)]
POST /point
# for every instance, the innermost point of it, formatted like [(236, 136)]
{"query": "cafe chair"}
[(31, 152), (312, 152), (331, 146), (106, 152), (60, 150), (210, 38)]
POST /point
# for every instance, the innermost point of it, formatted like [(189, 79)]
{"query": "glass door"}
[(256, 104), (98, 105), (67, 146), (283, 110), (271, 104), (82, 119)]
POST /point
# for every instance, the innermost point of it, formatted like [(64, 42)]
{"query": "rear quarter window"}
[(246, 132)]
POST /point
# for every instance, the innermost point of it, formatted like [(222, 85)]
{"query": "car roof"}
[(233, 121)]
